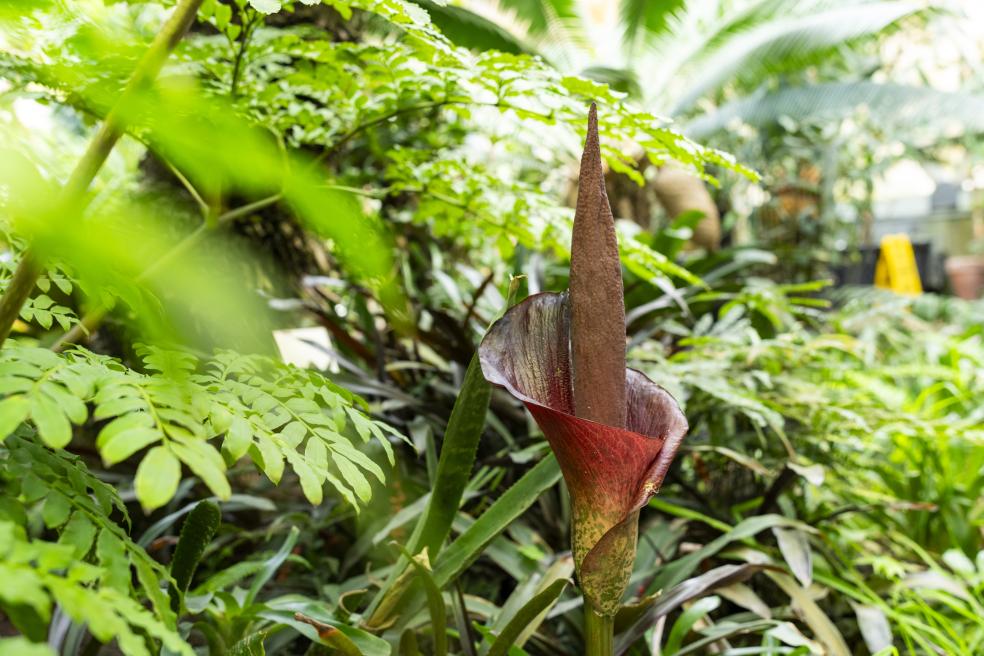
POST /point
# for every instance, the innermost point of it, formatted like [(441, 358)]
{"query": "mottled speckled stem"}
[(597, 303)]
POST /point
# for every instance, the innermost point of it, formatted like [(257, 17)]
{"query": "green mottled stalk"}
[(196, 534), (599, 633)]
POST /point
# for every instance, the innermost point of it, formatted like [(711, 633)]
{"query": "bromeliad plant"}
[(614, 431)]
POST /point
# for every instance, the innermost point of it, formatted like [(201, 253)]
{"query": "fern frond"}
[(274, 412)]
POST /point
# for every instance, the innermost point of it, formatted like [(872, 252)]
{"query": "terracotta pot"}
[(966, 275)]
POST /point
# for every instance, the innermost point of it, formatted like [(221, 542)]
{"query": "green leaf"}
[(676, 571), (822, 626), (123, 424), (238, 438), (206, 462), (251, 645), (79, 533), (311, 483), (469, 546), (456, 462), (113, 558), (910, 111), (56, 510), (686, 621), (470, 30), (53, 425), (271, 566), (634, 620), (435, 600), (157, 478), (268, 457), (24, 586), (265, 6), (795, 549), (23, 647), (788, 42), (351, 475), (14, 410), (645, 18), (124, 444), (534, 608), (71, 406)]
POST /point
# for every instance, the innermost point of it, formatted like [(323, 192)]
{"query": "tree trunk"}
[(678, 192)]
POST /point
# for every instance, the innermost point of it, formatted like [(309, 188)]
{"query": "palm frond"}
[(786, 44), (471, 30), (647, 17), (925, 113), (540, 15)]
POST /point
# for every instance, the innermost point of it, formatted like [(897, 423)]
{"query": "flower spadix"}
[(613, 430)]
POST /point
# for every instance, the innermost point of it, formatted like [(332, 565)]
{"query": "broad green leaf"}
[(634, 620), (79, 533), (265, 6), (206, 462), (676, 571), (53, 425), (123, 424), (13, 411), (157, 478), (73, 407), (56, 510), (268, 457), (238, 438), (22, 585), (125, 443), (250, 645), (355, 479), (822, 626), (311, 483), (689, 617)]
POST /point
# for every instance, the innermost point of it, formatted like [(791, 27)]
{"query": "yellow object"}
[(896, 268)]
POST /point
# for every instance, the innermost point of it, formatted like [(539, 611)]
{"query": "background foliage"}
[(348, 165)]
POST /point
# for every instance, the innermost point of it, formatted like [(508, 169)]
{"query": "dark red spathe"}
[(611, 472)]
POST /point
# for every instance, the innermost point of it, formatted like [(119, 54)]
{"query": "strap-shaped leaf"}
[(435, 600), (535, 607), (469, 546)]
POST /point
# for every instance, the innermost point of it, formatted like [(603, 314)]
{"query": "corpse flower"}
[(613, 430)]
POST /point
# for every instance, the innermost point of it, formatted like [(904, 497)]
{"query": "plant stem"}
[(17, 293), (599, 633), (237, 67), (72, 197)]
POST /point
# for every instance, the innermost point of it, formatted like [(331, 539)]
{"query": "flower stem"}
[(599, 633)]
